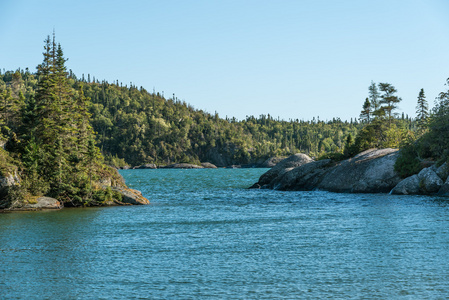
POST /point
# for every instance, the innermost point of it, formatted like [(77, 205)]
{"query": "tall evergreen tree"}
[(365, 114), (62, 132), (388, 100), (422, 111), (373, 97)]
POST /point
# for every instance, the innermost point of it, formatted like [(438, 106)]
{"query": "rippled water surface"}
[(206, 236)]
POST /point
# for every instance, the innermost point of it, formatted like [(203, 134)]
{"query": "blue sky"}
[(292, 59)]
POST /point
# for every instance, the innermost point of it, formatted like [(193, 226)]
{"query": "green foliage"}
[(7, 164), (422, 112), (432, 145), (408, 163), (11, 196), (102, 196), (437, 139), (374, 97), (335, 156), (379, 134), (50, 133), (142, 127), (135, 126), (388, 100), (365, 114)]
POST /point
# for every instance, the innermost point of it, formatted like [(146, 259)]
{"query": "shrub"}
[(408, 162)]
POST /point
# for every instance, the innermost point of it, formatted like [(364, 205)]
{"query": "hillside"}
[(134, 126)]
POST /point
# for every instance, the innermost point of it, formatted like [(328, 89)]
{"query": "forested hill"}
[(135, 126)]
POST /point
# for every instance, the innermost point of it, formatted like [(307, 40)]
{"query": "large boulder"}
[(271, 162), (39, 203), (426, 182), (281, 168), (371, 171), (430, 182), (408, 186), (208, 165), (7, 182), (443, 171), (131, 196), (444, 190), (302, 178)]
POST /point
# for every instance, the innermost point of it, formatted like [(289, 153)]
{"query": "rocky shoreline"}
[(268, 163), (34, 203), (371, 171)]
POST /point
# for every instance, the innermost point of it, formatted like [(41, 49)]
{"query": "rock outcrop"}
[(408, 186), (371, 171), (268, 179), (302, 178), (426, 182), (444, 190), (271, 162), (443, 171), (208, 165), (34, 203), (146, 166), (112, 180), (39, 203), (131, 196), (430, 182), (7, 182), (182, 166)]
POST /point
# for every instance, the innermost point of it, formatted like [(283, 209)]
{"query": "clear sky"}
[(292, 59)]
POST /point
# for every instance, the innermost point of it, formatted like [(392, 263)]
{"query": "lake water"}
[(207, 237)]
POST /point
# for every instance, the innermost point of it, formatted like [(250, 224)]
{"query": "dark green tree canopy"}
[(52, 137), (388, 100), (422, 111), (365, 114)]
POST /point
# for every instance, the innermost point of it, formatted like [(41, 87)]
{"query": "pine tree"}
[(422, 111), (388, 100)]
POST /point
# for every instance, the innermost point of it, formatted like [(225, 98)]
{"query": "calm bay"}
[(205, 235)]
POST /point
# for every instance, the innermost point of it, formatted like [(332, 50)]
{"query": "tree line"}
[(135, 126)]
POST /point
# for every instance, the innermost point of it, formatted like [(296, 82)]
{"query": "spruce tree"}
[(59, 147), (422, 111), (47, 102), (365, 114), (374, 96)]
